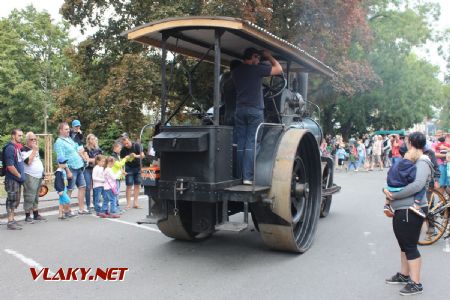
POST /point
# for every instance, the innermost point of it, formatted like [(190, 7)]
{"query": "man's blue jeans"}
[(247, 120)]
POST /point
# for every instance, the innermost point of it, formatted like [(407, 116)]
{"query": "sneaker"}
[(412, 288), (398, 279), (388, 211), (17, 223), (83, 212), (29, 220), (417, 211), (247, 182), (13, 226), (70, 214), (40, 218), (113, 216)]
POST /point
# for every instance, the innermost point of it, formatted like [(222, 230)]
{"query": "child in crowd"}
[(117, 147), (98, 180), (353, 159), (61, 175), (110, 190), (402, 173), (341, 154)]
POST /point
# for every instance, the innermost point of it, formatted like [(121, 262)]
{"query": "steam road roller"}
[(197, 188)]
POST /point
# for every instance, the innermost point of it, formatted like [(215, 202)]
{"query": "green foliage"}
[(113, 85), (410, 86), (32, 66), (107, 139)]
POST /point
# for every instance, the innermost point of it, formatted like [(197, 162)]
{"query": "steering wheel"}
[(277, 84)]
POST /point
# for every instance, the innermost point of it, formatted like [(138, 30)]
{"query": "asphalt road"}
[(354, 251)]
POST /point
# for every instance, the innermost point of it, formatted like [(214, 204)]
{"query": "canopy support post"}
[(163, 77), (217, 61)]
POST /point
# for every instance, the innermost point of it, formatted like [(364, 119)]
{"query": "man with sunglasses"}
[(34, 172), (247, 79)]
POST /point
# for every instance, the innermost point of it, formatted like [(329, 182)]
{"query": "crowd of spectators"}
[(81, 165), (377, 152)]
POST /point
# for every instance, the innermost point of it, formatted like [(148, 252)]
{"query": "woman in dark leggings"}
[(407, 225)]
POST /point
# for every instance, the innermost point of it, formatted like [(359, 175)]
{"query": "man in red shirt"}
[(396, 143)]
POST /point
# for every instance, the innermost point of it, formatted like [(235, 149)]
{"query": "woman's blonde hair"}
[(90, 137)]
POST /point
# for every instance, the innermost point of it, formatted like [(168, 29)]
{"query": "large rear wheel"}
[(291, 221)]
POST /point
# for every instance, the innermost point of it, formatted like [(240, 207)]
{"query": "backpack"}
[(3, 166)]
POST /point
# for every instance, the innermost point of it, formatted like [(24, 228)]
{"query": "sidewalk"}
[(50, 202)]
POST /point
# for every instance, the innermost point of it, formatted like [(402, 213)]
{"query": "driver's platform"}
[(244, 193)]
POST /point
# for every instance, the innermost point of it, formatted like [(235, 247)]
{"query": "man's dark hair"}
[(441, 139), (418, 140), (249, 52), (15, 131)]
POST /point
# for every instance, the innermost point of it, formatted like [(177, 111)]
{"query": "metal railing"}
[(256, 146)]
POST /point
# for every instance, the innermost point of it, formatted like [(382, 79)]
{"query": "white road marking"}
[(26, 260), (130, 223), (372, 248)]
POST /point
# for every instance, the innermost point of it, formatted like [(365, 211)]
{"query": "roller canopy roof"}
[(193, 36)]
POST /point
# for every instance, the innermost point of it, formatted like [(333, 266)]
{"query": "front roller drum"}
[(295, 193), (179, 225)]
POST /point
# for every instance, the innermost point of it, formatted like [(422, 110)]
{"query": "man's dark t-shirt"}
[(13, 157), (134, 164), (248, 83), (77, 137)]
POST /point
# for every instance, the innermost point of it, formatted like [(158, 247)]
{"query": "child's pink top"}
[(110, 179)]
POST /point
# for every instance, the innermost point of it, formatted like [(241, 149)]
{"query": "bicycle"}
[(436, 222)]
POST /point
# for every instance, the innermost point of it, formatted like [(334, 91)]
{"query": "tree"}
[(410, 85), (32, 66)]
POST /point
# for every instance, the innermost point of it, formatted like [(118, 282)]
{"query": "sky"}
[(429, 52)]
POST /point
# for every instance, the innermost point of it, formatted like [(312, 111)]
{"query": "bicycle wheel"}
[(436, 221)]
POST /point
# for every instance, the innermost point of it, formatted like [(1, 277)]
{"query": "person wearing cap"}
[(76, 134), (34, 173), (61, 179), (76, 157), (247, 78)]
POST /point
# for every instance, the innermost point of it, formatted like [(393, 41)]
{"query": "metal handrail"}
[(140, 141), (318, 108), (256, 145)]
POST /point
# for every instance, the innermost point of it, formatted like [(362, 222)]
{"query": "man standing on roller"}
[(247, 79)]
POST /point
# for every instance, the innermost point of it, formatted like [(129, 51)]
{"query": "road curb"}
[(51, 208)]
